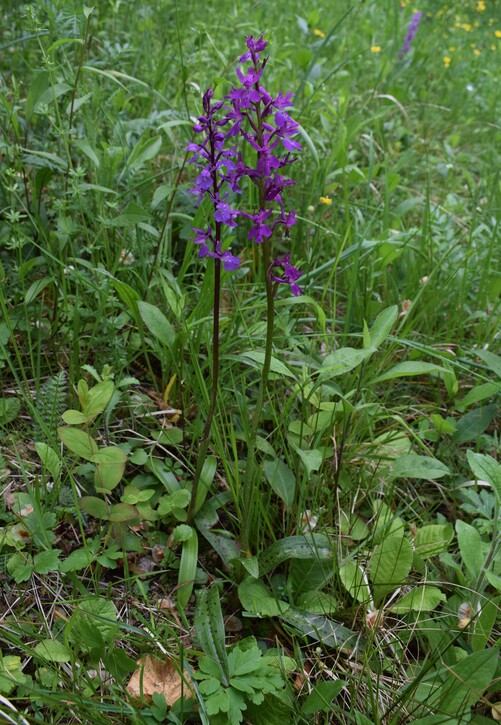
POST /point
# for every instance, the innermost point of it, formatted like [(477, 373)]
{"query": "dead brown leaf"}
[(160, 676)]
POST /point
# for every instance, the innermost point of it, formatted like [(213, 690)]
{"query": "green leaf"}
[(275, 365), (74, 417), (467, 681), (410, 368), (20, 567), (471, 425), (312, 459), (94, 618), (492, 361), (258, 600), (98, 398), (121, 512), (471, 547), (9, 410), (46, 561), (36, 288), (486, 468), (343, 361), (109, 455), (187, 570), (309, 546), (412, 466), (49, 458), (53, 651), (355, 581), (77, 560), (78, 441), (281, 479), (157, 324), (95, 507), (382, 325), (420, 599), (390, 566), (209, 626), (478, 393), (323, 629), (84, 145), (433, 539), (321, 697), (143, 151)]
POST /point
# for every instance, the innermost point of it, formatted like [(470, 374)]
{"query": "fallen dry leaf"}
[(160, 676)]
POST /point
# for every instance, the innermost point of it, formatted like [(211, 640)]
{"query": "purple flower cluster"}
[(249, 114), (411, 32)]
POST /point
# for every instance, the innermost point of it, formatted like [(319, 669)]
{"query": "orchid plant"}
[(249, 123)]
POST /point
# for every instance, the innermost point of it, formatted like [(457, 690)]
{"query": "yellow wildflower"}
[(497, 33), (480, 6), (326, 200), (476, 51), (375, 48), (466, 26), (447, 61), (319, 33)]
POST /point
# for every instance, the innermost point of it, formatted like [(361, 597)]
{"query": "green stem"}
[(250, 487), (202, 451)]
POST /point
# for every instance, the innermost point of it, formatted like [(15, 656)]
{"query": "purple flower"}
[(287, 274), (411, 32), (259, 231)]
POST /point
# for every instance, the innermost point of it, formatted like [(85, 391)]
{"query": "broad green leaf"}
[(320, 698), (344, 360), (143, 151), (312, 459), (467, 681), (74, 417), (410, 368), (355, 581), (49, 458), (433, 539), (108, 475), (471, 425), (94, 619), (205, 482), (486, 468), (109, 455), (491, 360), (53, 651), (77, 560), (276, 366), (281, 479), (308, 546), (78, 441), (121, 512), (471, 547), (36, 288), (95, 507), (413, 466), (46, 561), (20, 567), (9, 410), (84, 145), (323, 629), (483, 624), (209, 627), (175, 500), (420, 599), (98, 398), (187, 570), (390, 566), (157, 323), (133, 214), (317, 602), (257, 599), (382, 325), (478, 393)]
